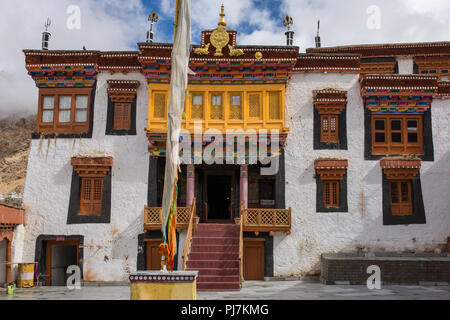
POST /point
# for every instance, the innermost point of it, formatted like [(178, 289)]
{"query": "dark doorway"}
[(60, 255), (219, 197)]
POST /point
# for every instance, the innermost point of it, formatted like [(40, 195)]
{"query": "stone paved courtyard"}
[(252, 290)]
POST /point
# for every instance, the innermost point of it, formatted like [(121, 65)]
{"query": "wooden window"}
[(65, 106), (331, 193), (397, 134), (81, 108), (122, 116), (274, 105), (401, 199), (91, 195), (216, 107), (254, 105), (235, 107), (329, 128), (159, 105), (48, 109), (63, 111), (197, 106)]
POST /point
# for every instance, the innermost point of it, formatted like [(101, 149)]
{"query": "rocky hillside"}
[(15, 139)]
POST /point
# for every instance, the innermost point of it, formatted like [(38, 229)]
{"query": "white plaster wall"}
[(110, 250), (361, 228), (405, 65)]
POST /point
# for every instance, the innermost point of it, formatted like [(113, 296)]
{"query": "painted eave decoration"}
[(389, 50), (236, 65), (341, 63), (398, 93)]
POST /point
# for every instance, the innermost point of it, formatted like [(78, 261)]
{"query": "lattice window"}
[(329, 129), (159, 105), (197, 106), (274, 105), (91, 195), (254, 105), (216, 108), (236, 107), (331, 193), (401, 199), (122, 116)]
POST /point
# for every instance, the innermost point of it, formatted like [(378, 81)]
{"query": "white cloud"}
[(105, 25), (119, 24)]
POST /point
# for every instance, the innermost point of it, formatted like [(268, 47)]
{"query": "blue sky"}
[(120, 24)]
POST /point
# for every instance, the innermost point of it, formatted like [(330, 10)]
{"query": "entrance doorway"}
[(219, 197), (3, 248), (59, 256)]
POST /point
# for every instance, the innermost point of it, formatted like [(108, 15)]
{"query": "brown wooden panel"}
[(153, 258), (254, 259)]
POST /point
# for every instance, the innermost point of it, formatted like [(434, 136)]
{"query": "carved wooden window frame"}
[(391, 147), (92, 172), (331, 175), (71, 127)]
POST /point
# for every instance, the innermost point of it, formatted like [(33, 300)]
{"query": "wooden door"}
[(152, 256), (50, 264), (254, 259)]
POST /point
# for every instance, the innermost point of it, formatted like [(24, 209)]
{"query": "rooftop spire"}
[(222, 21), (318, 41), (288, 23), (153, 18), (46, 35)]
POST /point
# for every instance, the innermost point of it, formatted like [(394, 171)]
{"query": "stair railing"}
[(241, 245), (188, 242)]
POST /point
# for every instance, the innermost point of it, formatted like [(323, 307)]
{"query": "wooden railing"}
[(152, 217), (267, 220), (241, 244), (188, 241)]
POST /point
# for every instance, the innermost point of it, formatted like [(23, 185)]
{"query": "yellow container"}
[(26, 275), (157, 285)]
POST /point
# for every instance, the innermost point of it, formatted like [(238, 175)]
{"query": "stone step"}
[(201, 256), (208, 226), (215, 278), (214, 241), (217, 234), (214, 248), (218, 286), (216, 271), (213, 264)]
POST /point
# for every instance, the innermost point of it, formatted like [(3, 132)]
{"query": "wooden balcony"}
[(152, 218), (267, 220), (11, 216)]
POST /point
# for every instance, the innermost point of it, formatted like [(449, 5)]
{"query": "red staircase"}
[(215, 254)]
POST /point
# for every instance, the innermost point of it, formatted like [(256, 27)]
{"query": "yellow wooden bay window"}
[(221, 107)]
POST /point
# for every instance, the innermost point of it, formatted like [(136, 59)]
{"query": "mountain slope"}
[(15, 140)]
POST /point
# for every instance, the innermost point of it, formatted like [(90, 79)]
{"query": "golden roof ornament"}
[(220, 37)]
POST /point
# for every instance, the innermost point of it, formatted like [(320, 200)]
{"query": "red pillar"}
[(190, 185), (244, 186)]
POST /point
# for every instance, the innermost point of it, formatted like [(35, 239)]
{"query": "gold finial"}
[(222, 21)]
